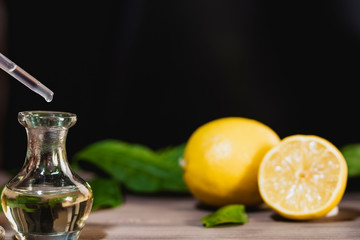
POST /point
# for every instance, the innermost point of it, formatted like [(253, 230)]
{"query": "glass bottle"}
[(46, 200)]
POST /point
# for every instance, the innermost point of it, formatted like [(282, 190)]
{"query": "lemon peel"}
[(222, 158), (302, 178)]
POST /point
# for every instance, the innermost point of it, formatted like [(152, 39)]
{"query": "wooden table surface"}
[(150, 217)]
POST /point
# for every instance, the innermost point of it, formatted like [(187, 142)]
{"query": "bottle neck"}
[(46, 149)]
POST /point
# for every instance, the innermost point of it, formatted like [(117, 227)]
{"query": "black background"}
[(151, 72)]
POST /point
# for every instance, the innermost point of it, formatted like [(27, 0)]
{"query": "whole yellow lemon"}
[(222, 158)]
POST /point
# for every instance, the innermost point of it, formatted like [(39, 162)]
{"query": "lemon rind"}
[(338, 192)]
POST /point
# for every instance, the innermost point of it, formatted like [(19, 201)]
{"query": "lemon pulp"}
[(304, 177)]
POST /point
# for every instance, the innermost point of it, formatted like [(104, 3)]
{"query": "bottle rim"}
[(47, 114), (40, 118)]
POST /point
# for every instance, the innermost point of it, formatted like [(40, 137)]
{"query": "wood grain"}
[(149, 217)]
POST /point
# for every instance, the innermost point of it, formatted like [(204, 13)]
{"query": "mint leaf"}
[(59, 200), (226, 215), (136, 166), (351, 153), (106, 193), (27, 203)]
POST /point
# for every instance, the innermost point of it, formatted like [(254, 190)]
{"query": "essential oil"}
[(41, 214)]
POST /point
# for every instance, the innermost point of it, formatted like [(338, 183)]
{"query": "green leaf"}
[(27, 203), (59, 200), (106, 193), (351, 153), (136, 166), (230, 214)]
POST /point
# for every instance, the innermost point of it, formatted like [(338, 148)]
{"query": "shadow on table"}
[(93, 231), (345, 214), (260, 208)]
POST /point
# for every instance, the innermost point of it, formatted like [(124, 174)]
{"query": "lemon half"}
[(302, 178)]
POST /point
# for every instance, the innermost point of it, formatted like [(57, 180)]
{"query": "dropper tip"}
[(49, 97)]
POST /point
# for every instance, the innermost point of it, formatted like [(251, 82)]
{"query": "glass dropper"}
[(25, 78)]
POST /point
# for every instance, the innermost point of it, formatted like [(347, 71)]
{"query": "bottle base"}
[(59, 236)]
